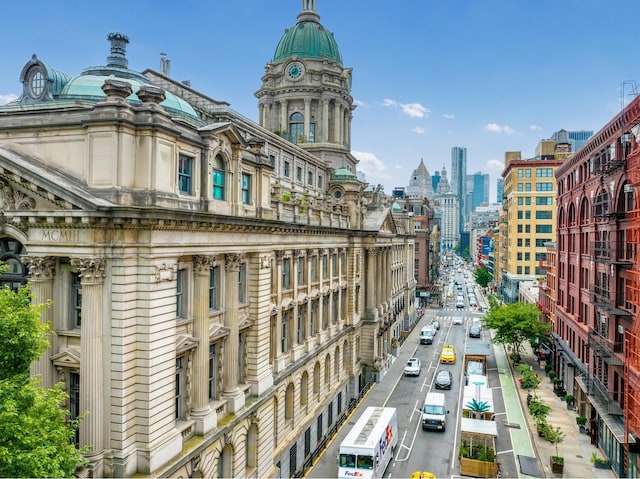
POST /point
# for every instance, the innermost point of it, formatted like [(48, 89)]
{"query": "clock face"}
[(295, 70)]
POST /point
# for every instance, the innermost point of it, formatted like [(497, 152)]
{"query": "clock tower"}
[(306, 91)]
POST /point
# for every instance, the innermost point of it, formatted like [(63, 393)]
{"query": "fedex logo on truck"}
[(353, 474), (386, 440)]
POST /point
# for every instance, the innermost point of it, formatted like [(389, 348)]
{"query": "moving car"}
[(413, 367), (444, 379), (436, 324), (448, 354), (475, 330), (457, 320), (459, 303)]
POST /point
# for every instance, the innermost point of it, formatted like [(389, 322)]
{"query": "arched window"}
[(336, 362), (316, 378), (327, 370), (296, 128), (16, 273), (304, 389), (288, 403), (251, 447), (219, 179)]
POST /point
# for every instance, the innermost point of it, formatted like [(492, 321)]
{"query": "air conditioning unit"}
[(620, 329), (628, 189)]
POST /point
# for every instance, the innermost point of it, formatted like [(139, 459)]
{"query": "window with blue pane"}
[(296, 127), (246, 188), (219, 179), (185, 174)]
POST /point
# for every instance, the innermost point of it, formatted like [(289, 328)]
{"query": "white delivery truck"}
[(368, 448)]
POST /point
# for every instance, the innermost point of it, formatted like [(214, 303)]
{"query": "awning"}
[(478, 426), (613, 423), (568, 354)]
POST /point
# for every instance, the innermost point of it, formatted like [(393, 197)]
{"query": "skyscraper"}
[(500, 190), (480, 192), (459, 177)]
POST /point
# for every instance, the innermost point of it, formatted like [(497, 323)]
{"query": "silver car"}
[(413, 367)]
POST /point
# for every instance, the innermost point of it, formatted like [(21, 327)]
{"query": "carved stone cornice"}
[(41, 268), (14, 199), (91, 270)]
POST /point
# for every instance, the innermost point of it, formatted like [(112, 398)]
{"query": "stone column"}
[(325, 120), (42, 270), (231, 391), (336, 122), (261, 114), (91, 272), (267, 114), (205, 418), (371, 280), (284, 123), (380, 277), (307, 120)]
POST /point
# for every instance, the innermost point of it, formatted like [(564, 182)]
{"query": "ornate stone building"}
[(218, 293)]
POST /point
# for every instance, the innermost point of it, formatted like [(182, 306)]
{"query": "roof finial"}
[(118, 50), (308, 12)]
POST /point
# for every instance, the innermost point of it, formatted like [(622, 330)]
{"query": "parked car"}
[(444, 379), (413, 367), (448, 354), (475, 330)]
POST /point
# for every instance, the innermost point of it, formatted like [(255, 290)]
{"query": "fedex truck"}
[(368, 448)]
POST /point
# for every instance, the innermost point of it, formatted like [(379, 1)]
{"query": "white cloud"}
[(7, 98), (374, 169), (535, 128), (418, 129), (495, 128), (415, 110), (495, 167), (448, 116), (389, 102), (360, 103)]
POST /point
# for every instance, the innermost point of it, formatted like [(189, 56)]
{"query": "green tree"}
[(36, 436), (513, 324), (483, 277)]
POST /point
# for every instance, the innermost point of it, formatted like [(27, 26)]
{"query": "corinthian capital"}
[(42, 268), (232, 261), (91, 270), (203, 264)]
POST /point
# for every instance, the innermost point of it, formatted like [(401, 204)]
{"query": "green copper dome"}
[(308, 39)]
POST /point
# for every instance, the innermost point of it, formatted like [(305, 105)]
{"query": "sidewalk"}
[(576, 447)]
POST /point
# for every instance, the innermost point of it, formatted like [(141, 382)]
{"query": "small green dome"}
[(308, 39), (342, 174)]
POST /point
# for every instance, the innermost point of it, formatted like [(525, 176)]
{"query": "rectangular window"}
[(180, 299), (286, 169), (179, 391), (544, 172), (527, 256), (548, 186), (519, 242), (520, 173), (520, 186), (527, 228), (527, 187), (284, 347), (544, 200), (527, 269), (520, 201), (300, 325), (314, 269), (286, 273), (242, 283), (527, 215), (527, 173), (527, 243), (519, 228), (76, 301), (310, 177), (519, 256), (325, 266), (544, 214), (185, 174), (74, 402), (213, 372), (301, 261), (519, 270), (242, 354), (520, 215), (272, 160), (527, 201), (246, 188), (540, 242), (541, 256), (543, 228), (319, 181), (299, 173), (214, 288)]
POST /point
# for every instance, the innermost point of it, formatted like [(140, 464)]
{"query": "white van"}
[(460, 303), (426, 335), (434, 412)]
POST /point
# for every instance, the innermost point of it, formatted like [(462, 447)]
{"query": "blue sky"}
[(489, 75)]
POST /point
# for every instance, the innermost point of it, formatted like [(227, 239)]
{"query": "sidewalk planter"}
[(581, 421), (599, 462), (557, 464)]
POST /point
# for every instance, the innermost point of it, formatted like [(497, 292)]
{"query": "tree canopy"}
[(483, 277), (513, 324), (36, 436)]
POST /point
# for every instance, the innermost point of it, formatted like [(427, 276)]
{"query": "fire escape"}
[(632, 337)]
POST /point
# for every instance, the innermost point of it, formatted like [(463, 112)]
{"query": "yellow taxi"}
[(448, 354)]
